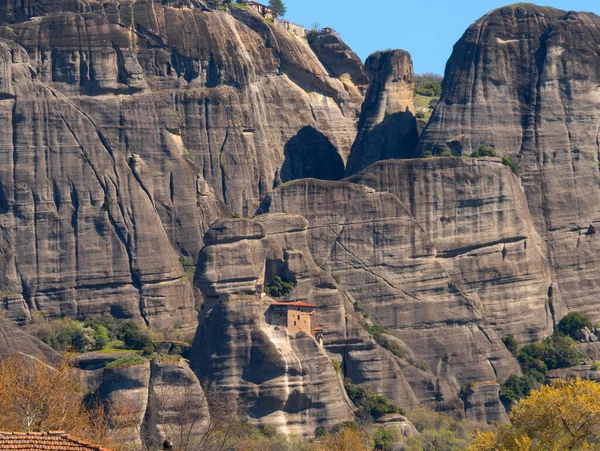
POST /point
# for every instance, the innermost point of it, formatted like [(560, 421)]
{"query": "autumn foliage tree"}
[(562, 416), (35, 397)]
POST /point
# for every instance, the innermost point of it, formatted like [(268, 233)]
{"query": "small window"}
[(294, 323), (298, 316)]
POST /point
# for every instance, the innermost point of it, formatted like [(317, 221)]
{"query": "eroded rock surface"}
[(159, 398), (482, 404), (286, 381), (476, 215), (387, 127), (524, 79), (385, 260), (129, 128)]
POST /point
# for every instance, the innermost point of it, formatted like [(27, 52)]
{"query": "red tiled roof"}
[(318, 329), (53, 440), (293, 304)]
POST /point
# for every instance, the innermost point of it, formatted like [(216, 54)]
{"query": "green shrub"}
[(377, 331), (107, 203), (268, 430), (187, 264), (556, 351), (420, 115), (134, 338), (320, 431), (573, 322), (428, 84), (371, 406), (148, 350), (513, 165), (536, 359), (236, 216), (383, 439), (511, 344), (101, 337), (484, 151), (518, 387), (337, 367), (127, 361), (279, 287), (433, 103), (446, 153)]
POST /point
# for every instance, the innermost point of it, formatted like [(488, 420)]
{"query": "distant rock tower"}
[(387, 127)]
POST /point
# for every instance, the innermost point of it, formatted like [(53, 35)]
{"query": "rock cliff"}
[(387, 127), (389, 265), (130, 128), (476, 215), (157, 399), (524, 80), (284, 380)]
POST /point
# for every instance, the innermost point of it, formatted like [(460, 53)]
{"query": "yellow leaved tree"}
[(562, 416)]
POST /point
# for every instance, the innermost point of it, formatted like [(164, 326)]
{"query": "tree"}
[(35, 397), (561, 416), (348, 439), (573, 322), (278, 7)]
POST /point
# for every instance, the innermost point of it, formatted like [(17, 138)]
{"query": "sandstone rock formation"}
[(387, 127), (15, 341), (164, 395), (388, 264), (130, 128), (475, 214), (340, 61), (285, 381), (524, 79), (482, 403)]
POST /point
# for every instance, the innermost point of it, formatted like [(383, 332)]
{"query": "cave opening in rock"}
[(310, 154)]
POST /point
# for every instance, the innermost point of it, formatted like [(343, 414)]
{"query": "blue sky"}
[(426, 28)]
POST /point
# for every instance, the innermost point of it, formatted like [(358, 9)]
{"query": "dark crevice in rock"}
[(464, 250)]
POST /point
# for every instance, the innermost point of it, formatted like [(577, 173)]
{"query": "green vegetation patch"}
[(126, 362), (378, 333), (279, 287), (536, 359), (96, 334), (371, 406), (573, 322)]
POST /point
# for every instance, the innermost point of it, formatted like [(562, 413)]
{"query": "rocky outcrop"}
[(129, 129), (340, 60), (14, 341), (387, 263), (155, 399), (475, 214), (482, 404), (387, 126), (523, 79), (285, 380)]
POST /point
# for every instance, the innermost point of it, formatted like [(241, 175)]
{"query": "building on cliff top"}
[(295, 315), (261, 9)]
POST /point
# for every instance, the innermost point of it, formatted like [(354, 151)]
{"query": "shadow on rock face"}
[(265, 362), (310, 154), (395, 137)]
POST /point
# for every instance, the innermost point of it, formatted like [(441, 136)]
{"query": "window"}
[(294, 323), (298, 316)]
